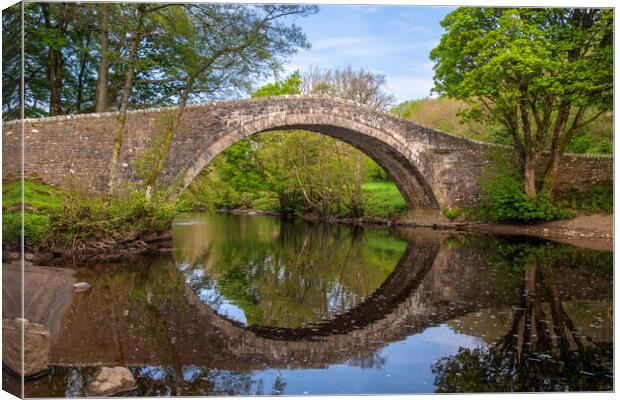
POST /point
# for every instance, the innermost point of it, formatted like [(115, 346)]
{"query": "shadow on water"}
[(262, 306)]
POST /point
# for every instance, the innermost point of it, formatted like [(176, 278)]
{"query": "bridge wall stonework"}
[(434, 170)]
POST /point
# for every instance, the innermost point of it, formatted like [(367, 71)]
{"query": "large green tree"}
[(541, 73)]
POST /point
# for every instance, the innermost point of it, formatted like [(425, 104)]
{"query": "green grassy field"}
[(37, 196), (383, 199), (39, 201)]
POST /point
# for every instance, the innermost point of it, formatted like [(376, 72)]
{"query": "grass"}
[(599, 199), (39, 201), (38, 197), (383, 199), (54, 216)]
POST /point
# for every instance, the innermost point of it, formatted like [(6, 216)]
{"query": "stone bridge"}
[(433, 170)]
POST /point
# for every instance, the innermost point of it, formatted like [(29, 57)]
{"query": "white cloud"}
[(410, 87)]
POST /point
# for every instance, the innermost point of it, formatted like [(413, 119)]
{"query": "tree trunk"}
[(101, 103), (129, 75), (53, 69), (169, 133), (80, 81), (558, 143), (529, 179), (54, 77)]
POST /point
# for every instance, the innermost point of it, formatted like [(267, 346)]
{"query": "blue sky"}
[(391, 40)]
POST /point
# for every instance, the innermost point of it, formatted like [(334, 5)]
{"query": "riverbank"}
[(587, 231), (593, 232), (104, 250)]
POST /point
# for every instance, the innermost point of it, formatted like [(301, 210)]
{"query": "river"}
[(247, 305)]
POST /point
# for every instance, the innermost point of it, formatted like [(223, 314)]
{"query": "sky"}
[(391, 40)]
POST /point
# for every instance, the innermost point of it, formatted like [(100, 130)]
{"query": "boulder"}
[(81, 286), (36, 347), (110, 381)]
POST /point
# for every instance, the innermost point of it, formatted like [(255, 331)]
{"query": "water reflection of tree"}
[(542, 351), (306, 273), (373, 360), (204, 382)]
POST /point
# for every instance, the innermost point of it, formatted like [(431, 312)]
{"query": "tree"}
[(363, 87), (359, 85), (11, 62), (226, 48), (541, 73)]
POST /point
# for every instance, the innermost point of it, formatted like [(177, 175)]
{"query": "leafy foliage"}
[(452, 213), (84, 218), (598, 199), (36, 229), (73, 217), (537, 72), (505, 201), (142, 55)]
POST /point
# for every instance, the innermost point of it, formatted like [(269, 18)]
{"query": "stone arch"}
[(389, 150)]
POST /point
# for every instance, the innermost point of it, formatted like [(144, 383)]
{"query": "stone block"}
[(36, 346), (110, 381)]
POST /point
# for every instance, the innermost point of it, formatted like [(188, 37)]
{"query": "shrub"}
[(36, 229), (599, 199), (452, 213), (84, 218), (506, 201)]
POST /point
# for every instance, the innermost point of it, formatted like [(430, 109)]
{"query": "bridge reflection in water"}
[(456, 313)]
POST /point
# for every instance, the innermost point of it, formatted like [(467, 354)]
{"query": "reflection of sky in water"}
[(405, 367), (213, 298), (153, 373), (192, 372), (192, 222), (209, 294)]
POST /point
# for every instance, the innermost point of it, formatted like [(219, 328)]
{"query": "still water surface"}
[(258, 305)]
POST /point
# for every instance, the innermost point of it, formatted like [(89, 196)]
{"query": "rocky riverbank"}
[(109, 249), (587, 231)]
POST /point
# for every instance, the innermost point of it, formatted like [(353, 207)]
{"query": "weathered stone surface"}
[(434, 170), (110, 381), (81, 286), (36, 346), (47, 292)]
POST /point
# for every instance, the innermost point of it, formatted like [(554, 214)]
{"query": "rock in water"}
[(36, 346), (111, 381), (81, 286)]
